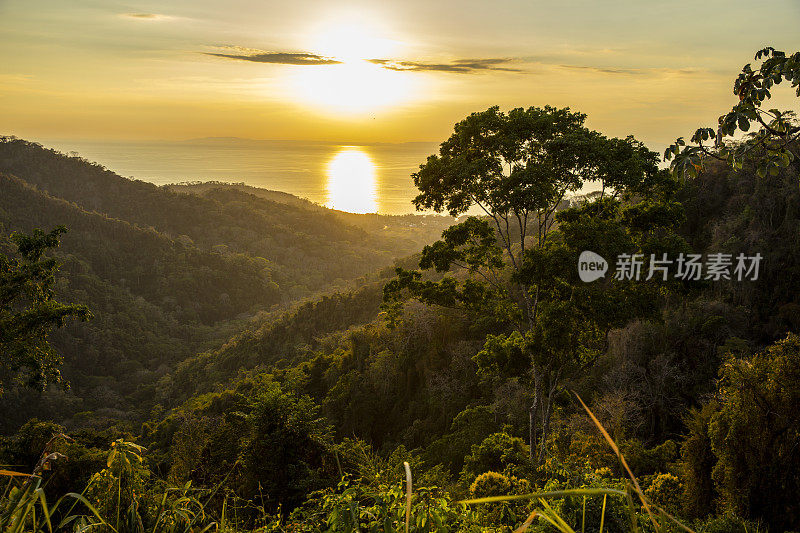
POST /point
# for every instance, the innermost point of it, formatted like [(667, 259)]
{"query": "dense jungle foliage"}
[(157, 296), (478, 385)]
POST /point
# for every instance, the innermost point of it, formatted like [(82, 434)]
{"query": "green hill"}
[(169, 275), (155, 300), (307, 248)]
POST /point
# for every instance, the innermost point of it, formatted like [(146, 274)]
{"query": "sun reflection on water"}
[(351, 184)]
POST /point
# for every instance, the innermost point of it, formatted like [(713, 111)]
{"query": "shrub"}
[(499, 452), (501, 513), (490, 484), (756, 438), (665, 491)]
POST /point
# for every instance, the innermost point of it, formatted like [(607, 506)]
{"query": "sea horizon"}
[(300, 168)]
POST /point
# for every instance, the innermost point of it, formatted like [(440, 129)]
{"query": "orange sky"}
[(372, 72)]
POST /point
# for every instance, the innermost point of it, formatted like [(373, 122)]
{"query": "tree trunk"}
[(547, 409), (532, 421)]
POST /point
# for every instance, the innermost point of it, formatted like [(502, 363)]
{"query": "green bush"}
[(755, 435), (499, 452), (507, 514), (665, 491), (728, 524)]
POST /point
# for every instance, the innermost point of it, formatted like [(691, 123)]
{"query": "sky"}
[(359, 72)]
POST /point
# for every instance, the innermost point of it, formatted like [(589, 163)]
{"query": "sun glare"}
[(351, 88), (354, 86), (351, 184), (350, 40)]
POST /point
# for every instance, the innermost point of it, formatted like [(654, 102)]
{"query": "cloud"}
[(456, 66), (688, 71), (460, 66), (15, 78), (280, 58), (146, 16), (606, 70), (307, 58)]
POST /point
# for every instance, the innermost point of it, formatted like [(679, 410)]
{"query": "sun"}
[(352, 39), (354, 86)]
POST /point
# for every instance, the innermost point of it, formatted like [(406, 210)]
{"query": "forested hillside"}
[(405, 230), (165, 275), (155, 301), (193, 284), (307, 248), (667, 380), (339, 382)]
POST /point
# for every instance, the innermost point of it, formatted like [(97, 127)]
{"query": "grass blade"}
[(621, 458), (548, 494), (603, 514), (408, 493)]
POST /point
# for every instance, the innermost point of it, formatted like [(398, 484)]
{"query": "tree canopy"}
[(516, 169), (29, 310)]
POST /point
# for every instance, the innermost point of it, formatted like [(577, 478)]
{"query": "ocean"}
[(301, 168)]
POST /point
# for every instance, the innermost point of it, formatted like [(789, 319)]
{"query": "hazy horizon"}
[(301, 168)]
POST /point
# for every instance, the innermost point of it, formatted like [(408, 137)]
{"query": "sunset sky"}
[(372, 71)]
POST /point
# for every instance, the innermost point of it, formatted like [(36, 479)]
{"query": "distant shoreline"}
[(294, 167)]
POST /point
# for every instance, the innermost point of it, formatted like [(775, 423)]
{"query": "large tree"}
[(29, 310), (516, 170)]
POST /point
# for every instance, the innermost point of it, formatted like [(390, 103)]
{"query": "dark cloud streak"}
[(456, 66), (280, 58), (459, 66), (633, 71), (604, 70)]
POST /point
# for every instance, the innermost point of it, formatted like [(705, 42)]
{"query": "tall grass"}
[(633, 496), (24, 507)]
